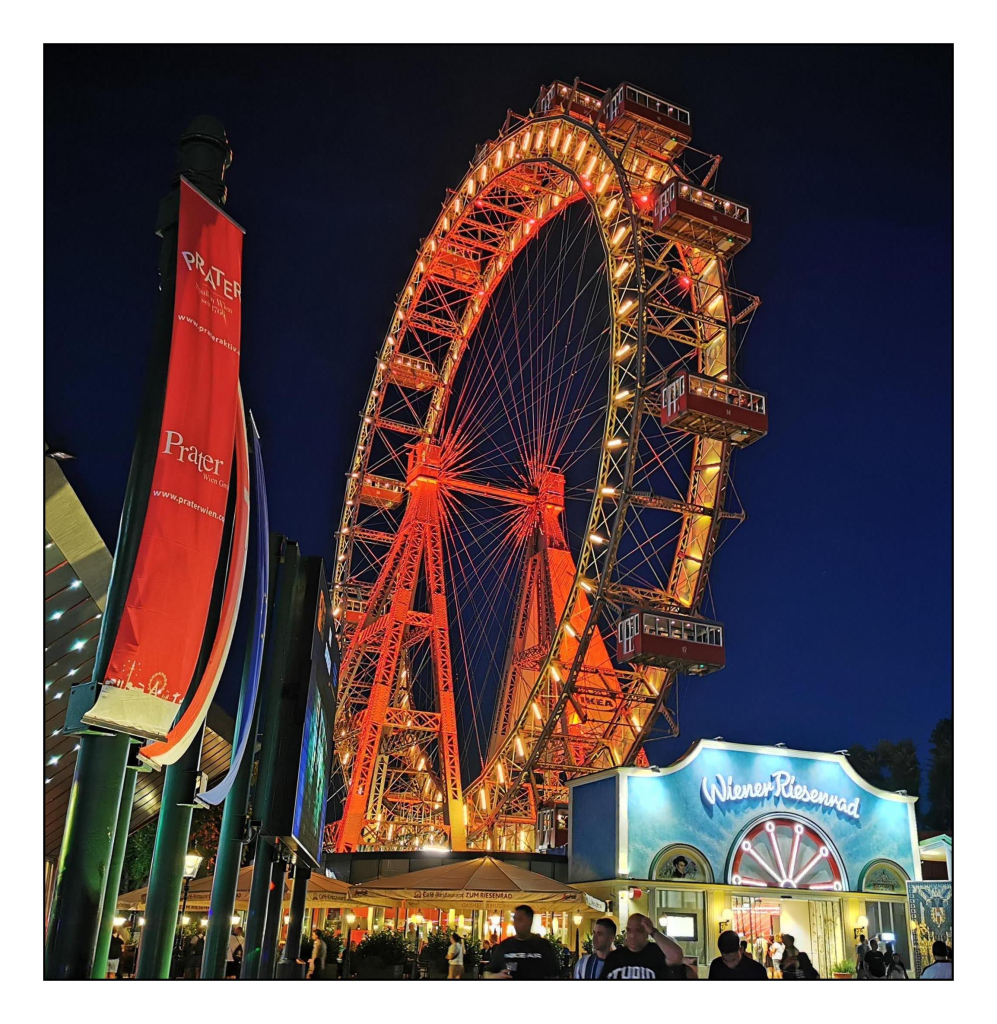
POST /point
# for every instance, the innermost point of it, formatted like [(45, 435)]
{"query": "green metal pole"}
[(95, 797), (113, 883), (227, 866), (287, 600), (85, 860), (231, 839), (288, 967), (259, 898), (166, 876), (268, 952)]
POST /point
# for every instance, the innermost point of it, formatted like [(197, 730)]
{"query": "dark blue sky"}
[(837, 591)]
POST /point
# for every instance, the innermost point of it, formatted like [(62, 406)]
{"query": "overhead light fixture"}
[(60, 456)]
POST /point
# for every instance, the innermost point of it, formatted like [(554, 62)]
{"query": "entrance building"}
[(762, 840)]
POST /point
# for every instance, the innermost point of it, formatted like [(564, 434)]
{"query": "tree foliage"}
[(205, 829), (940, 786), (889, 766)]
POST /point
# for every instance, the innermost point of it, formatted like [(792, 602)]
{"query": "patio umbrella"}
[(322, 892), (475, 882)]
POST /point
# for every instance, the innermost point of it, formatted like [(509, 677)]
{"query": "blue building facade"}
[(752, 836)]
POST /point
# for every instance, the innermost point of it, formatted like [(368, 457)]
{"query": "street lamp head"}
[(351, 919), (577, 918), (191, 865), (205, 156)]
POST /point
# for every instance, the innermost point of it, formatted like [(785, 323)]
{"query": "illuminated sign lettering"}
[(781, 785)]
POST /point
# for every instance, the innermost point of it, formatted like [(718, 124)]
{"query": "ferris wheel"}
[(540, 478)]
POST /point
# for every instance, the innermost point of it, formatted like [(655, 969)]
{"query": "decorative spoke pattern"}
[(786, 854)]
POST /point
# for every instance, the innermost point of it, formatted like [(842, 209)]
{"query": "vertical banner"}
[(195, 710), (162, 625), (930, 905)]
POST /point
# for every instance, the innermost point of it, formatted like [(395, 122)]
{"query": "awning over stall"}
[(473, 882)]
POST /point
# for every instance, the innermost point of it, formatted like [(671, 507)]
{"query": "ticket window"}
[(684, 913)]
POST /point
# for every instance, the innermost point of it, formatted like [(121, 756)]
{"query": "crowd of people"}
[(875, 964), (646, 954)]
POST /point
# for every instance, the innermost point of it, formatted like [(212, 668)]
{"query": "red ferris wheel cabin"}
[(578, 100), (713, 408), (627, 107), (694, 647), (702, 219)]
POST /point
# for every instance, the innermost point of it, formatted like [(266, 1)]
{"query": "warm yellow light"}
[(586, 586), (621, 270), (614, 442), (570, 630), (500, 773), (597, 538), (610, 207), (519, 746), (623, 350), (625, 307), (141, 922), (483, 799), (622, 396), (554, 135), (470, 186), (555, 675), (536, 712), (577, 918), (185, 920), (604, 181), (119, 921), (621, 233), (351, 918), (234, 919), (580, 152)]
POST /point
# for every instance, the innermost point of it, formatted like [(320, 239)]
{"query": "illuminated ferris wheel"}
[(540, 478)]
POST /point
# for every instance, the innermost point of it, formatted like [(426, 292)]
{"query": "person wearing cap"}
[(731, 965)]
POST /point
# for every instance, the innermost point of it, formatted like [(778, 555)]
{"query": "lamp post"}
[(351, 920), (191, 865), (577, 919)]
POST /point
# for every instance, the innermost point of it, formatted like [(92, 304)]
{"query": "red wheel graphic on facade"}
[(784, 853)]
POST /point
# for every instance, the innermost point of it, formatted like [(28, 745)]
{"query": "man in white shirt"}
[(941, 969), (455, 954), (589, 968)]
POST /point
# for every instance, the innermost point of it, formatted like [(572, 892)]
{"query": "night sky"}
[(837, 591)]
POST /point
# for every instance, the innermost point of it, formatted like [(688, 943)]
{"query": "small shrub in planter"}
[(843, 970), (435, 953), (382, 955), (562, 954)]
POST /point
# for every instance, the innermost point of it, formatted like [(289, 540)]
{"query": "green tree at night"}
[(890, 766), (940, 777)]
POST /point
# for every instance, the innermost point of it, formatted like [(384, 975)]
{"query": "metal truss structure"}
[(497, 406)]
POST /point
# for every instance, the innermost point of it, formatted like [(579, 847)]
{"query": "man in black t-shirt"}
[(640, 959), (524, 955), (875, 960), (732, 965)]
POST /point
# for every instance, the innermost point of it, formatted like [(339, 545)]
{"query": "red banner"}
[(162, 626)]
